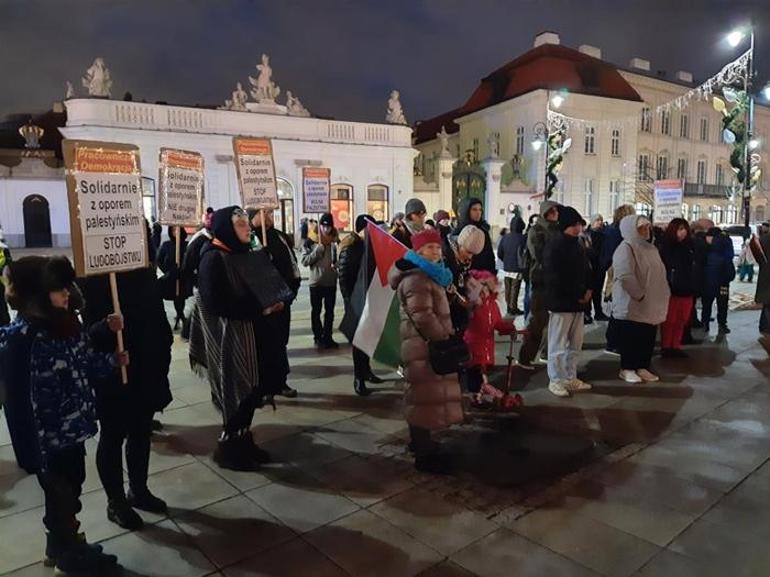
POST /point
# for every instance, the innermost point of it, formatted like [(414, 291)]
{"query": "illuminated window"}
[(377, 201)]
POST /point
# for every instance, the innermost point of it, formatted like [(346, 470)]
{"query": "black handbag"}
[(446, 356)]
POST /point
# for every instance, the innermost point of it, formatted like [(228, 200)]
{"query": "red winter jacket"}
[(480, 336)]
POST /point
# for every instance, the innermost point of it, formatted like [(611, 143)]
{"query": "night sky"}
[(342, 57)]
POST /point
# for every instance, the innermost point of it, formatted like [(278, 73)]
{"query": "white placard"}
[(180, 194), (106, 208), (316, 188), (669, 196), (256, 172)]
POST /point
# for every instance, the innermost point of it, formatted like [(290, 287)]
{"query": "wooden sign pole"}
[(116, 310), (264, 230), (178, 230)]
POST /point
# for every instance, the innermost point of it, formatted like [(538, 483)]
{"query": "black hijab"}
[(224, 232)]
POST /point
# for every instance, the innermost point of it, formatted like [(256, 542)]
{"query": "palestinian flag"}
[(377, 333)]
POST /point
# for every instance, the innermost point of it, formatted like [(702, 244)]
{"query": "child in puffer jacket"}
[(46, 361), (480, 334)]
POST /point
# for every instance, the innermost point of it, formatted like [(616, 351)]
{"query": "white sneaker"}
[(558, 389), (630, 377), (577, 385), (647, 376)]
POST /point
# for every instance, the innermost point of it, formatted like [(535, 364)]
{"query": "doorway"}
[(37, 222)]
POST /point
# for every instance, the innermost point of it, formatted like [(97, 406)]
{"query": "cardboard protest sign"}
[(669, 196), (256, 172), (316, 188), (104, 190), (180, 191)]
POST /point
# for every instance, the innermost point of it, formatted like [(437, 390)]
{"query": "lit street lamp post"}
[(735, 38)]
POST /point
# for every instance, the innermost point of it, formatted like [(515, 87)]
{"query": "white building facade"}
[(619, 145), (370, 164)]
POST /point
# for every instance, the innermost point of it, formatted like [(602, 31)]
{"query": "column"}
[(493, 168), (444, 178)]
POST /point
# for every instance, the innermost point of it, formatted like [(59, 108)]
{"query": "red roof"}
[(549, 67)]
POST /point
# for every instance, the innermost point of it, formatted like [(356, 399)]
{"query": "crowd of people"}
[(233, 289)]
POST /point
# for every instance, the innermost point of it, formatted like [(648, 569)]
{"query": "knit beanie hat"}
[(568, 216), (414, 206), (472, 239), (361, 221), (440, 215), (428, 236), (326, 219)]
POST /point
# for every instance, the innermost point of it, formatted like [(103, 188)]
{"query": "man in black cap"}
[(414, 221), (320, 256)]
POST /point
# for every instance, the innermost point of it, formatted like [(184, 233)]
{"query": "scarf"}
[(437, 272), (413, 227)]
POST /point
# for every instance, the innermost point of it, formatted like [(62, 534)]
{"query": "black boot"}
[(436, 462), (146, 501), (84, 559), (54, 549), (231, 454), (121, 513), (253, 450), (374, 379), (359, 386)]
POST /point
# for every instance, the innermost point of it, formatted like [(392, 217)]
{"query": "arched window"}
[(283, 216), (377, 201), (759, 214), (696, 212), (342, 206), (717, 214)]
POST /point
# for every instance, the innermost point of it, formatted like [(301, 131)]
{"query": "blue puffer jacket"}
[(50, 403)]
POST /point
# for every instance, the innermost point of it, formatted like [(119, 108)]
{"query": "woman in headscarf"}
[(236, 286), (471, 211)]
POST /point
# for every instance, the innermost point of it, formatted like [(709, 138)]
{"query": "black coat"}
[(566, 274), (349, 262), (147, 338), (485, 260), (192, 257), (460, 314), (172, 273), (679, 260)]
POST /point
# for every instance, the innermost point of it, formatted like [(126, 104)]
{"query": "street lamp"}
[(541, 134), (733, 39), (753, 144)]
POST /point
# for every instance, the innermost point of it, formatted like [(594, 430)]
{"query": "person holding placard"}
[(126, 410), (320, 255), (278, 324), (236, 287), (175, 285)]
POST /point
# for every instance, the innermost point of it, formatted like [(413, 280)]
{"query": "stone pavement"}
[(670, 479)]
